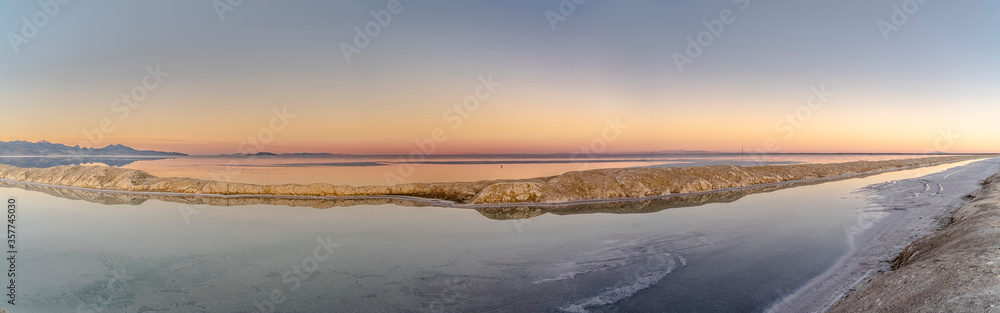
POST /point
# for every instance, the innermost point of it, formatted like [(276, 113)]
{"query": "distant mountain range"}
[(45, 148)]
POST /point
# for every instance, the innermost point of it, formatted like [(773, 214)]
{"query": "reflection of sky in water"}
[(729, 256)]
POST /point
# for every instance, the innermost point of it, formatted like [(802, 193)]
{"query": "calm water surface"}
[(156, 256)]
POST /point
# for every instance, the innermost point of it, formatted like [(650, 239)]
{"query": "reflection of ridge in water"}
[(497, 213), (641, 205), (46, 162)]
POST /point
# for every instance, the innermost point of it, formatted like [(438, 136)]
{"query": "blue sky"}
[(607, 59)]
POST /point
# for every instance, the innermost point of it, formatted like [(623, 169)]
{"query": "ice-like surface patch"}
[(625, 290), (573, 274)]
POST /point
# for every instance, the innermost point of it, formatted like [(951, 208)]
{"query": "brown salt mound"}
[(600, 184)]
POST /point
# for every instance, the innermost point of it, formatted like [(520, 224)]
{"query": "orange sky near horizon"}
[(503, 125), (511, 121), (930, 87)]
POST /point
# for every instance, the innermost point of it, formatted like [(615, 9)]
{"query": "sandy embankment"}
[(498, 212), (601, 184), (956, 269)]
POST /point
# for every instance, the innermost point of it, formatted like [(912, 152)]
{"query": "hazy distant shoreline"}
[(21, 148)]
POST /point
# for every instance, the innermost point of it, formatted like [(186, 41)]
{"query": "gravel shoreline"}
[(899, 212), (956, 269)]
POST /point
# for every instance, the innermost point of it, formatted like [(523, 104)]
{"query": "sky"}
[(515, 76)]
